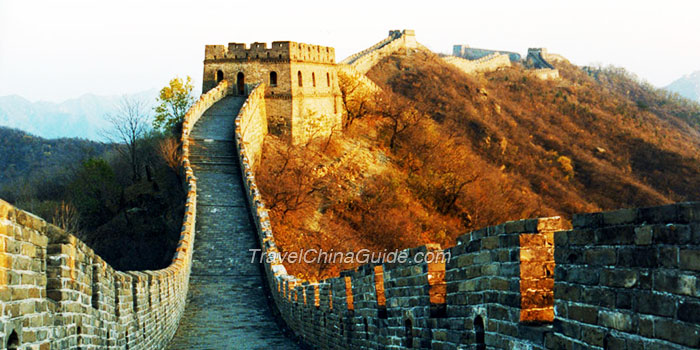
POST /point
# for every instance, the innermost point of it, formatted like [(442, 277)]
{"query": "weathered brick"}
[(677, 332), (690, 259), (601, 256), (616, 320), (583, 313)]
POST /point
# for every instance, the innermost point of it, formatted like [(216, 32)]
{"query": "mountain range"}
[(81, 117), (687, 86)]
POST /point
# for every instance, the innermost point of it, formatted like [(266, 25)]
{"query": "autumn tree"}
[(400, 116), (173, 102), (289, 183), (358, 99)]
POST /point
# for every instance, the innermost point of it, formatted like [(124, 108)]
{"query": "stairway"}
[(227, 307)]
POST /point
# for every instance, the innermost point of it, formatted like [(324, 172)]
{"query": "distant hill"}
[(23, 155), (687, 86), (81, 117)]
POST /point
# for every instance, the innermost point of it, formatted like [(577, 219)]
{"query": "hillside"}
[(441, 153), (86, 188), (687, 86), (23, 154)]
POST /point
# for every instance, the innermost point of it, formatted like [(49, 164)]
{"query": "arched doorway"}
[(240, 83), (219, 76), (479, 333)]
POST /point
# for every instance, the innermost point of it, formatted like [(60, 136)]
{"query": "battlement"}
[(280, 50)]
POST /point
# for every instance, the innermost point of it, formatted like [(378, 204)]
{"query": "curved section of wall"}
[(56, 293), (364, 60), (540, 59), (488, 63)]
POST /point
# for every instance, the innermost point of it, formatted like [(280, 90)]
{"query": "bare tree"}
[(129, 123), (67, 217)]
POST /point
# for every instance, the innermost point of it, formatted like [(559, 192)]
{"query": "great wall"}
[(626, 279)]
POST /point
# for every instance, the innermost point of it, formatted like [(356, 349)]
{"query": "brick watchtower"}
[(302, 96)]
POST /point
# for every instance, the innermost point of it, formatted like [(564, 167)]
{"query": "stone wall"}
[(56, 293), (539, 59), (623, 280), (364, 60), (628, 279), (471, 53), (488, 63), (252, 123)]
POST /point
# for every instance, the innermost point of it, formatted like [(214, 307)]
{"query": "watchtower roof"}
[(279, 50)]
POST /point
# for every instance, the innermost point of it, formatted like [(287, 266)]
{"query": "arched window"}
[(240, 83), (273, 78), (328, 79), (313, 79), (479, 333), (408, 328), (219, 76), (299, 78), (13, 341)]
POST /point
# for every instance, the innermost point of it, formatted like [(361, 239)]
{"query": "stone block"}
[(619, 278), (689, 311), (677, 332), (689, 259), (616, 320), (615, 235), (672, 234), (583, 313), (634, 256), (643, 235), (656, 304), (620, 217), (600, 256)]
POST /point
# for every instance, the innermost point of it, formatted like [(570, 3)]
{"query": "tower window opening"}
[(301, 83), (273, 78), (219, 76), (240, 83), (328, 79), (313, 79)]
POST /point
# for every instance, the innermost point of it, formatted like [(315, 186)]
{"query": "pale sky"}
[(54, 50)]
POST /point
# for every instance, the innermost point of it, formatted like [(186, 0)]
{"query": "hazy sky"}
[(54, 50)]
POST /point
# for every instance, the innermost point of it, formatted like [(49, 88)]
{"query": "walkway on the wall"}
[(227, 306)]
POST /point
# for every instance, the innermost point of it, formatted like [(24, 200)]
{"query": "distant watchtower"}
[(302, 95)]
